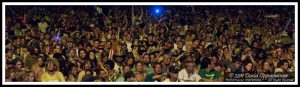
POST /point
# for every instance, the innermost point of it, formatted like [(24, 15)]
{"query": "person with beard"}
[(52, 73), (87, 67), (38, 68)]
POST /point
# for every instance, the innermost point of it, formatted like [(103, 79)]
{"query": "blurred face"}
[(130, 61), (88, 65), (249, 66), (92, 55), (50, 66), (72, 53), (139, 77), (157, 68), (190, 67), (174, 75), (40, 61), (96, 44), (266, 65), (237, 64), (127, 69), (19, 65), (146, 59), (31, 77), (285, 66), (57, 49), (103, 74), (82, 54), (74, 71), (274, 54), (166, 59), (139, 67)]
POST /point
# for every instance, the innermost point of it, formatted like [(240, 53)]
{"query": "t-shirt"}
[(213, 74), (183, 75), (42, 26), (57, 77), (149, 78)]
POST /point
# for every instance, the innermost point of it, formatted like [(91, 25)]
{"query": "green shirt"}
[(213, 74), (149, 78)]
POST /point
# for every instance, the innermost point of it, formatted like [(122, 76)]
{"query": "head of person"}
[(126, 68), (40, 61), (248, 67), (189, 66), (92, 55), (129, 77), (166, 59), (146, 58), (157, 68), (284, 65), (52, 65), (19, 65), (82, 54), (139, 66), (102, 73), (88, 65)]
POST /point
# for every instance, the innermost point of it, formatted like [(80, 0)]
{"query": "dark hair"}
[(205, 62)]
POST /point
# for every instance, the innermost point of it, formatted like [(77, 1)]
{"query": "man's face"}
[(40, 61), (31, 77), (285, 66), (96, 44), (146, 59), (19, 65), (82, 54), (57, 49), (157, 69), (190, 67), (166, 59)]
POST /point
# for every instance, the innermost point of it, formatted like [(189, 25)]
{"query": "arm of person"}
[(132, 16), (142, 14), (80, 76)]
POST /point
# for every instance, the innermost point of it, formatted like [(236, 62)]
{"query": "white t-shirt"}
[(183, 75)]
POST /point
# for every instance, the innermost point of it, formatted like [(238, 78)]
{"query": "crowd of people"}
[(137, 44)]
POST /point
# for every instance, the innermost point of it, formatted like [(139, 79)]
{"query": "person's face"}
[(139, 67), (274, 54), (266, 65), (139, 77), (57, 49), (280, 52), (180, 45), (88, 65), (127, 69), (146, 59), (108, 45), (96, 44), (190, 68), (82, 54), (157, 68), (285, 66), (31, 77), (92, 55), (72, 53), (166, 59), (74, 70), (40, 61), (237, 64), (50, 66), (249, 66), (178, 39), (19, 65)]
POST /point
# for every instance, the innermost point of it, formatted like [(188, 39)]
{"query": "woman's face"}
[(50, 66), (248, 67), (92, 56)]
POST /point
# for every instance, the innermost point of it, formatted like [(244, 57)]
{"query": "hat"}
[(173, 69)]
